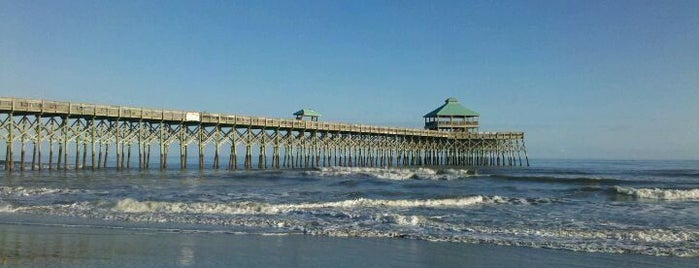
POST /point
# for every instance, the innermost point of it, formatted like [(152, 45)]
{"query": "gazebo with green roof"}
[(452, 116), (312, 114)]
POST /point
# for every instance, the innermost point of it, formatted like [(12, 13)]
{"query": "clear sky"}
[(584, 79)]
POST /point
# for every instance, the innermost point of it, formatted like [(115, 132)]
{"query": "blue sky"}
[(583, 79)]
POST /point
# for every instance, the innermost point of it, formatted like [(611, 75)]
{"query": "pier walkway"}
[(89, 136)]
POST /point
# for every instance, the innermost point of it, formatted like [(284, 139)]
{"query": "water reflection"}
[(186, 255)]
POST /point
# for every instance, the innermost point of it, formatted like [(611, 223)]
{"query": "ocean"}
[(556, 212)]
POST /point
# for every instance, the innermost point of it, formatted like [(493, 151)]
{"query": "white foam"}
[(387, 223), (134, 206), (646, 235), (7, 209), (22, 191), (407, 220), (656, 242), (661, 194), (394, 173)]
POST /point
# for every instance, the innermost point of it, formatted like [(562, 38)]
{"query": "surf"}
[(659, 194)]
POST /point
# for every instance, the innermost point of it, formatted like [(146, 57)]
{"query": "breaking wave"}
[(355, 218), (133, 206), (24, 192), (660, 194), (655, 242), (394, 173)]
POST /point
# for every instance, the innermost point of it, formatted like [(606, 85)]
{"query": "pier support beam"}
[(9, 157)]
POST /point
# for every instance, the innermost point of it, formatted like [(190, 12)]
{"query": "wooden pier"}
[(88, 136)]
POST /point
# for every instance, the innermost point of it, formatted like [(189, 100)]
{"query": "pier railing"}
[(60, 123)]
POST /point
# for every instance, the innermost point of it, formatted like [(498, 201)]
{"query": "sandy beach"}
[(67, 245)]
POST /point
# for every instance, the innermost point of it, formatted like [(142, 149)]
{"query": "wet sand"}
[(71, 245)]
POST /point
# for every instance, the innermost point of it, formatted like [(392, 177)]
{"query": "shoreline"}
[(54, 244)]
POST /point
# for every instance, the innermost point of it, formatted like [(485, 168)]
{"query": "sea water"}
[(616, 207)]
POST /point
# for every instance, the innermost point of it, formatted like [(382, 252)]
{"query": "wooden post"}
[(325, 157), (262, 157), (277, 162), (335, 151), (106, 154), (77, 152), (122, 157), (201, 146), (294, 156), (519, 156), (34, 154), (318, 153), (186, 147), (286, 153), (341, 155), (8, 157), (142, 154), (99, 158), (84, 154), (51, 151), (128, 156), (216, 155), (163, 165), (92, 142), (398, 157), (60, 153), (304, 155), (38, 141), (233, 161), (116, 144), (389, 158), (65, 142), (526, 157), (147, 164), (297, 157), (181, 155), (248, 156), (22, 152), (167, 151)]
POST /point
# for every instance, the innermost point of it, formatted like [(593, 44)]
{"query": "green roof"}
[(307, 112), (452, 107)]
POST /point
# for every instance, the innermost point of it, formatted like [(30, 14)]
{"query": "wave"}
[(130, 205), (660, 194), (558, 179), (133, 206), (6, 208), (394, 173), (343, 208), (655, 242), (26, 192), (350, 218), (692, 173)]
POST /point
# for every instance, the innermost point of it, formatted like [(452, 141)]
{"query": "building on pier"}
[(452, 116), (309, 113)]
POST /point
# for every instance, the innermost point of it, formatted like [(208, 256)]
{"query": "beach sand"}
[(69, 245)]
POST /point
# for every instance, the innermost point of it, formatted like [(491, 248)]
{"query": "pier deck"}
[(291, 143)]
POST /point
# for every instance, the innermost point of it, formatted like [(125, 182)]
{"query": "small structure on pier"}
[(310, 113), (452, 116)]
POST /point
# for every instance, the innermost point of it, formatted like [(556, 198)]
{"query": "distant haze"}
[(583, 79)]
